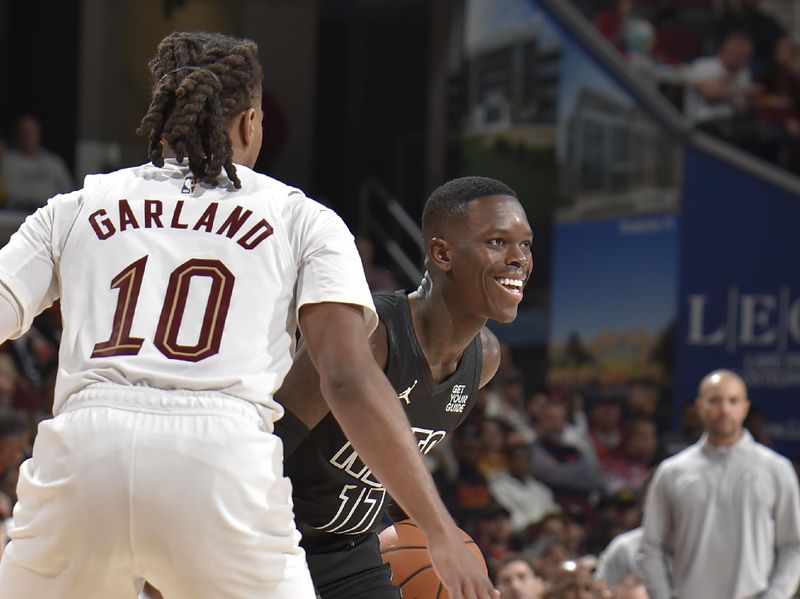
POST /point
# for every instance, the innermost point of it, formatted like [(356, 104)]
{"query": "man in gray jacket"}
[(725, 511)]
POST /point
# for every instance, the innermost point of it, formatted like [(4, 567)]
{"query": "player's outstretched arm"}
[(366, 407)]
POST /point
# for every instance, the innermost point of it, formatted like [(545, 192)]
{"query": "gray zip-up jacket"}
[(729, 520)]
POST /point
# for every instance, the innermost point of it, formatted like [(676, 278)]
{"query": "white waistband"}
[(142, 398)]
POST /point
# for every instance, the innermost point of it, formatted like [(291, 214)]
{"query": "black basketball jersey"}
[(333, 491)]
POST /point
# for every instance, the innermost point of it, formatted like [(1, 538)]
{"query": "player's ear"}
[(247, 125), (439, 254)]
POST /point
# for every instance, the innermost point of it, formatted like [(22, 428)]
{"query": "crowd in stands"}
[(551, 484), (731, 67)]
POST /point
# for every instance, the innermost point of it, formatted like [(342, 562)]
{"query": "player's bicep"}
[(335, 338)]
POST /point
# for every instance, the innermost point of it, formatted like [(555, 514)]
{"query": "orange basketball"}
[(406, 552)]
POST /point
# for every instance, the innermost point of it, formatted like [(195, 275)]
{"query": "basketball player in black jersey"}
[(435, 350)]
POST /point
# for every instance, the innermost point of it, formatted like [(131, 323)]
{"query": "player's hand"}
[(459, 570)]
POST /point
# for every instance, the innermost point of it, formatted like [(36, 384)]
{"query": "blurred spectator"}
[(631, 469), (506, 401), (8, 380), (14, 440), (605, 427), (526, 499), (721, 86), (720, 96), (757, 426), (14, 444), (32, 174), (516, 579), (746, 16), (631, 587), (621, 557), (576, 431), (575, 581), (553, 524), (467, 496), (611, 22), (493, 534), (570, 471), (726, 510), (643, 400), (8, 483), (534, 406), (780, 102), (548, 555), (621, 512), (378, 278), (639, 38), (493, 454), (691, 429), (575, 535)]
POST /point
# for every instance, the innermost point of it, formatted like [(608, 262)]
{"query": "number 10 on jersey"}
[(129, 284)]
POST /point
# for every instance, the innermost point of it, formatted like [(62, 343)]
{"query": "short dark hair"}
[(514, 557), (452, 198), (12, 423)]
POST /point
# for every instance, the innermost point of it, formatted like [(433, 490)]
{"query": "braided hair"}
[(201, 82)]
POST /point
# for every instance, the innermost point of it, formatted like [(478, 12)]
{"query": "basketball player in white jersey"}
[(181, 289)]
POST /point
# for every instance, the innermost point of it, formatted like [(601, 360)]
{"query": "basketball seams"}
[(413, 575), (412, 571)]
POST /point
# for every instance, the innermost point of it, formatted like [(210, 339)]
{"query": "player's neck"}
[(442, 335), (168, 152)]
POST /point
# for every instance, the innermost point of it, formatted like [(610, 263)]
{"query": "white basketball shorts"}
[(183, 489)]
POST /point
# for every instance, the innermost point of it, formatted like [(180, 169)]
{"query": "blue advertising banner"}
[(740, 291)]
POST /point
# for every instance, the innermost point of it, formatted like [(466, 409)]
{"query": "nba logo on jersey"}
[(189, 184)]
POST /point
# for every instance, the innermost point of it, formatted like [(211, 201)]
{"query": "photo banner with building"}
[(531, 107), (613, 302), (740, 292)]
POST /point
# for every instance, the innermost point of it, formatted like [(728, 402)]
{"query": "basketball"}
[(405, 549)]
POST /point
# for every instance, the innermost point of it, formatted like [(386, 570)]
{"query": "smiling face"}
[(489, 257)]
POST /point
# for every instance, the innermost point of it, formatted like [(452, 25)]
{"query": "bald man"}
[(726, 510)]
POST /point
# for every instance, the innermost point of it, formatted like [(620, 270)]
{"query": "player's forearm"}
[(386, 444)]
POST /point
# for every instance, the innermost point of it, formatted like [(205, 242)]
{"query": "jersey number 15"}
[(129, 283)]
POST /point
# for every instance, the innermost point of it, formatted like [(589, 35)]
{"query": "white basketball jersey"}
[(172, 284)]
